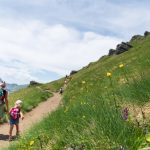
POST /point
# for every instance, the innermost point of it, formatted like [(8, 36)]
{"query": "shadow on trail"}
[(4, 137)]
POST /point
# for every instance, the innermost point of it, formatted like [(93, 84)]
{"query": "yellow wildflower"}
[(108, 74), (148, 139), (83, 82), (31, 143), (121, 65)]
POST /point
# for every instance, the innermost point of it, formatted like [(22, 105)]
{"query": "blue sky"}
[(44, 40)]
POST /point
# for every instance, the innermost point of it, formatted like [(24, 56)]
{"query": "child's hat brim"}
[(18, 102)]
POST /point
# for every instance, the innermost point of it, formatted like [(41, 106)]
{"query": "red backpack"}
[(14, 113)]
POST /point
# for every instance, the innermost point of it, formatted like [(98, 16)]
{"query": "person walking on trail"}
[(65, 82), (66, 77), (14, 115), (61, 90), (3, 100)]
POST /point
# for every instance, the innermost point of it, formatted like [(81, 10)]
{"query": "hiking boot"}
[(10, 138)]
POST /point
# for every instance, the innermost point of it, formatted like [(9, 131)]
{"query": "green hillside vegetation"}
[(53, 86), (91, 116), (31, 97)]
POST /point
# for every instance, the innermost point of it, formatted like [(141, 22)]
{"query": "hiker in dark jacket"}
[(3, 100)]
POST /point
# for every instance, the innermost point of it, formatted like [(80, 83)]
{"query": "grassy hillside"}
[(31, 97), (94, 103), (53, 86)]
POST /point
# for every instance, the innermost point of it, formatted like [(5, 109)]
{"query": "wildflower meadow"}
[(100, 108)]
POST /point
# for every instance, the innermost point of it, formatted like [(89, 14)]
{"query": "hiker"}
[(61, 90), (14, 115), (66, 77), (3, 100), (65, 82)]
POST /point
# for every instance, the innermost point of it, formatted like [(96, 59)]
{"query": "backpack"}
[(1, 96), (1, 92), (14, 113)]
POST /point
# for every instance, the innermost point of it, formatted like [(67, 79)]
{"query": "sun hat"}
[(2, 83), (18, 102)]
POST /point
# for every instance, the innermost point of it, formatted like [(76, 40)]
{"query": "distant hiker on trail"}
[(66, 77), (61, 90), (14, 114), (65, 82), (3, 100)]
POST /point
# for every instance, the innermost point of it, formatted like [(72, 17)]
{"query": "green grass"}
[(53, 86), (31, 97), (91, 114)]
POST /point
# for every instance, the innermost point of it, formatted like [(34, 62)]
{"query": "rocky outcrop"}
[(121, 48), (111, 52), (73, 72), (33, 83), (140, 37), (136, 37), (146, 33)]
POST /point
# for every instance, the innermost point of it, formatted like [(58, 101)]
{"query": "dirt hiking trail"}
[(31, 118)]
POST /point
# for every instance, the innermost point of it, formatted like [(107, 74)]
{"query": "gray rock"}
[(111, 52), (33, 83), (123, 47), (73, 72), (136, 37), (146, 33)]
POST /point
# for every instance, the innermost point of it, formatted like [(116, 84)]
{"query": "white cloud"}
[(119, 18), (50, 44), (56, 48), (16, 75)]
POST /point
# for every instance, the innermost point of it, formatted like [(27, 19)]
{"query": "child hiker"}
[(15, 113)]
